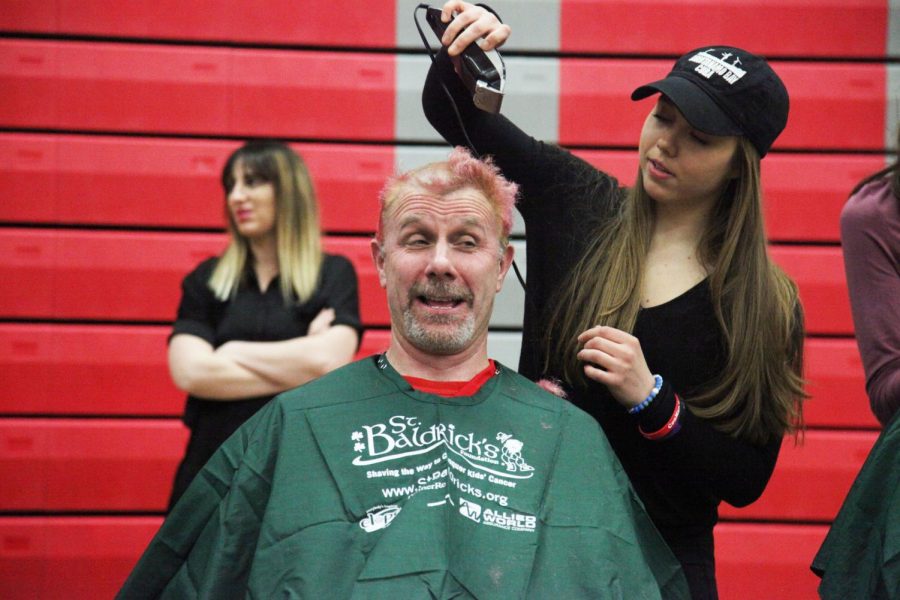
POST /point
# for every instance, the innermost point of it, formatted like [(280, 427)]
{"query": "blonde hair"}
[(297, 235), (758, 394)]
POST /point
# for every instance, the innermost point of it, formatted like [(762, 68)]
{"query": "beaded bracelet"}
[(670, 428), (657, 385)]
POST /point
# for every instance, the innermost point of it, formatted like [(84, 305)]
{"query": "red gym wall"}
[(115, 119)]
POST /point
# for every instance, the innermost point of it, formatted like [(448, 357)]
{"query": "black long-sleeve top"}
[(683, 478)]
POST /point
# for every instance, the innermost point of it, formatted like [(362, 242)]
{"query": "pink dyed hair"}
[(553, 386), (460, 170)]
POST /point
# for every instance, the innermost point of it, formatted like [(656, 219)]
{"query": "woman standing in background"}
[(870, 241), (271, 313), (859, 557)]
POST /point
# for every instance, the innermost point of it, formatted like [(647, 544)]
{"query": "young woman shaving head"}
[(656, 306)]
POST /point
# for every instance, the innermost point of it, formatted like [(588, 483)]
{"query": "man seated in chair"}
[(429, 471)]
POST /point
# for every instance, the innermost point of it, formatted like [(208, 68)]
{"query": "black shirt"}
[(253, 316)]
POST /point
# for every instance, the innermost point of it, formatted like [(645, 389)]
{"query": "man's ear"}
[(505, 262), (378, 259)]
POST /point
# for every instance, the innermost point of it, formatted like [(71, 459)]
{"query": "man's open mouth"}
[(440, 303)]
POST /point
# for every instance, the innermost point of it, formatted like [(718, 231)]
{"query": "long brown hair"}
[(297, 236), (758, 394)]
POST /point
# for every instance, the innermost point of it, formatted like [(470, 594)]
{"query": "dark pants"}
[(211, 424), (701, 578)]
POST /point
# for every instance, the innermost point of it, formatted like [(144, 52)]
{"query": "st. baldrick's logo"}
[(404, 436)]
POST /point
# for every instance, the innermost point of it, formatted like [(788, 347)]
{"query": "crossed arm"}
[(240, 369)]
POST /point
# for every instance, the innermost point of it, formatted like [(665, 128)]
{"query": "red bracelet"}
[(670, 428)]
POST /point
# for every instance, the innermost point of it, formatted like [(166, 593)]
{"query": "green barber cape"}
[(860, 557), (357, 486)]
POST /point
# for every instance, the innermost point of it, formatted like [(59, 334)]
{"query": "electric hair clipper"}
[(477, 71)]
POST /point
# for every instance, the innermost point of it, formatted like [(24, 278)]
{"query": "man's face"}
[(441, 263)]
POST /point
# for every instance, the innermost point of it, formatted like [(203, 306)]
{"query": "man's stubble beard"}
[(439, 342)]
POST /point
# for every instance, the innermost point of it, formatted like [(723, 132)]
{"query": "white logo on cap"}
[(709, 65)]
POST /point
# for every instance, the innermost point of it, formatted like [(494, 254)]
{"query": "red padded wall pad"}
[(375, 341), (372, 300), (86, 369), (98, 369), (64, 274), (348, 178), (854, 27), (819, 273), (756, 560), (112, 181), (78, 85), (803, 193), (313, 94), (810, 480), (310, 22), (595, 108), (172, 89), (88, 464), (167, 182), (837, 385), (70, 558)]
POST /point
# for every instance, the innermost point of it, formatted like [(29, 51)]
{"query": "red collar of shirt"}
[(450, 389)]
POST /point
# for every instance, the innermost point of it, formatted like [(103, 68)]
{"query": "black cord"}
[(519, 276), (459, 119)]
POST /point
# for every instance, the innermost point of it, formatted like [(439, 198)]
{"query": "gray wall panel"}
[(535, 24), (510, 302), (518, 229), (532, 97), (410, 157), (505, 346), (410, 122), (892, 106), (893, 33)]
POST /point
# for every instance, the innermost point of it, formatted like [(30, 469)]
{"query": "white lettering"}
[(382, 473), (499, 481), (509, 520)]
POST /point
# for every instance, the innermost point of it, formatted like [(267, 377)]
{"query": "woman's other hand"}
[(615, 359)]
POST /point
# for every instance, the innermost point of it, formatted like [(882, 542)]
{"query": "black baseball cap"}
[(722, 90)]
